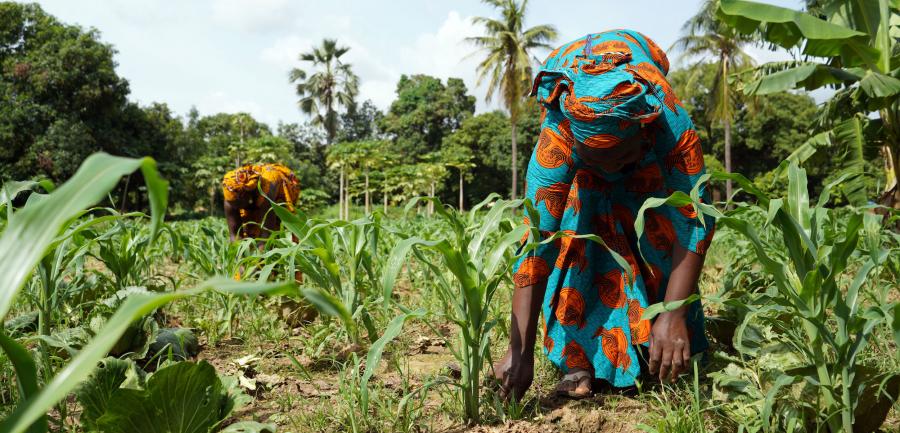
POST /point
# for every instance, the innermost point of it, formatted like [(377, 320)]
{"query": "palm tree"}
[(705, 36), (508, 62), (333, 84)]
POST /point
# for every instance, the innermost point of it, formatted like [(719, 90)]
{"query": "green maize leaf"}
[(489, 225), (27, 237), (473, 213), (395, 262), (745, 184), (134, 307), (26, 376), (872, 317), (798, 196), (330, 305), (787, 28), (497, 255), (677, 199), (441, 210), (809, 76), (11, 189), (775, 205), (662, 307), (771, 266), (839, 258), (377, 349)]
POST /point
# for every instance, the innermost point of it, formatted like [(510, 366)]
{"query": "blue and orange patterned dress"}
[(599, 90)]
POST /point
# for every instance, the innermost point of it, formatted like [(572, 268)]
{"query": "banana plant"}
[(851, 45)]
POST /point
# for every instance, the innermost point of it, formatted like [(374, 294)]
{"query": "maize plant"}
[(821, 270), (31, 233)]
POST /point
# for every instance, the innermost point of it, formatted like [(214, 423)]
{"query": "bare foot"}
[(575, 384)]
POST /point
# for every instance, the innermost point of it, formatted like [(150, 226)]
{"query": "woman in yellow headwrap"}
[(245, 190)]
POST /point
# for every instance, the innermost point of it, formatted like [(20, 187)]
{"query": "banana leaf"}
[(787, 28)]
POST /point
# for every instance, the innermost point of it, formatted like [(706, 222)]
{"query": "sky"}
[(235, 55)]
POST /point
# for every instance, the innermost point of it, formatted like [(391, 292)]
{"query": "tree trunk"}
[(367, 193), (727, 121), (341, 196), (431, 203), (515, 165), (460, 190), (385, 203), (212, 200), (124, 194), (728, 158)]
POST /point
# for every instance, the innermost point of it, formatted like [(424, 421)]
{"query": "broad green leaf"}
[(772, 396), (848, 139), (184, 397), (877, 85), (26, 376), (850, 135), (135, 306), (95, 393), (27, 237), (787, 28), (810, 76)]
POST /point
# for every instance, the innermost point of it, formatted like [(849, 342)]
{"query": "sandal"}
[(576, 378)]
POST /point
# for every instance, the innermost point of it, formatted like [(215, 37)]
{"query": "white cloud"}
[(441, 53), (284, 51), (254, 15), (445, 53), (222, 102), (381, 92)]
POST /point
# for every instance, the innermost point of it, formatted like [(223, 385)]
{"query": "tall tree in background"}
[(333, 84), (705, 36), (508, 64)]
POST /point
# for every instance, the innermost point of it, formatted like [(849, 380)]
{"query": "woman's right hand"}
[(517, 375)]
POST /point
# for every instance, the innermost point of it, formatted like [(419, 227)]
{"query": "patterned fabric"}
[(600, 90), (275, 180)]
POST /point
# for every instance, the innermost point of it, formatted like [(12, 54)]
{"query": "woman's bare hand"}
[(670, 347)]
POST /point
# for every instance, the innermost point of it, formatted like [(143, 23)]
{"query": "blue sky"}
[(234, 55)]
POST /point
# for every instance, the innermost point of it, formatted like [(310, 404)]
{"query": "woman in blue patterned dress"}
[(613, 134)]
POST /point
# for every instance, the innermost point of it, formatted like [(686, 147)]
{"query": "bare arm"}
[(670, 348)]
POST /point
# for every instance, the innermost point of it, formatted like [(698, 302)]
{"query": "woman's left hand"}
[(670, 347)]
